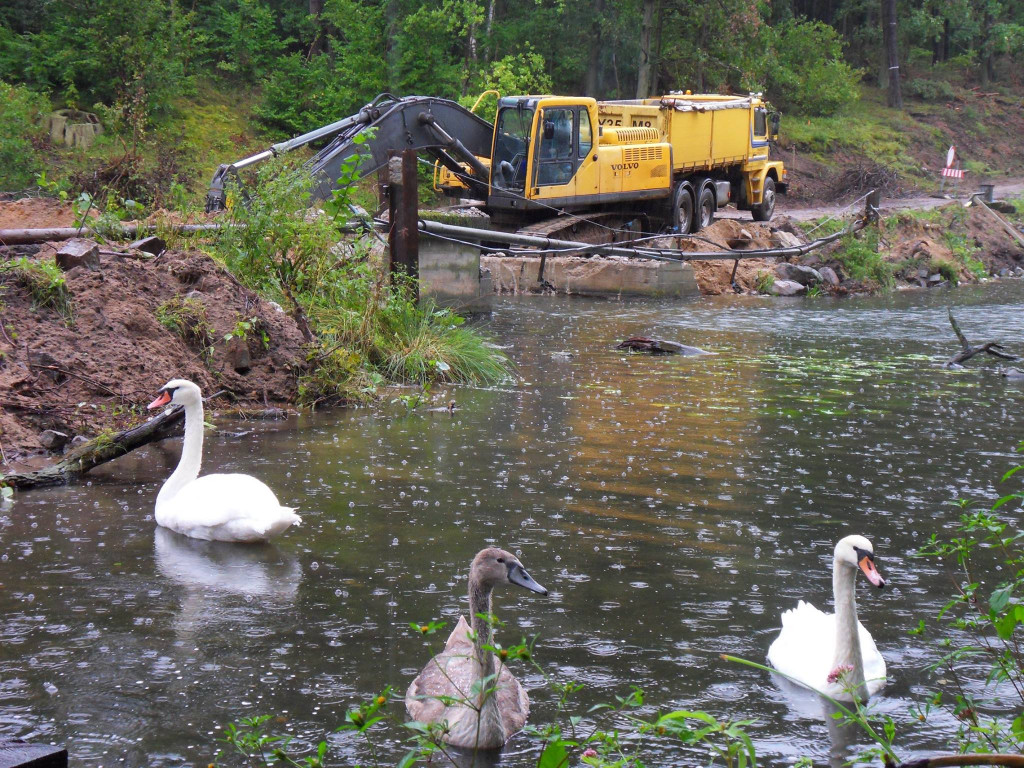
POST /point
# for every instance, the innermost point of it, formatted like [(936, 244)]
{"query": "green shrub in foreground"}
[(21, 113)]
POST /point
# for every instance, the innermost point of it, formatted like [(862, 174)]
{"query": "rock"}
[(1014, 374), (1004, 272), (78, 440), (798, 273), (935, 279), (787, 288), (1018, 272), (783, 239), (829, 276), (52, 440), (78, 251), (237, 354), (923, 273), (746, 235), (152, 244)]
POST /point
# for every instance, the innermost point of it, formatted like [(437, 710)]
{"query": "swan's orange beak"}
[(162, 399), (867, 564)]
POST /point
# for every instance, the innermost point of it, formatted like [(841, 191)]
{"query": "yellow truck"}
[(674, 160), (660, 164)]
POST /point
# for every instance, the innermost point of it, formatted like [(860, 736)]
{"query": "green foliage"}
[(301, 95), (764, 281), (980, 631), (930, 90), (860, 259), (364, 327), (43, 280), (808, 73), (21, 129)]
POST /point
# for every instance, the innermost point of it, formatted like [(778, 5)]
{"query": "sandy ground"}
[(97, 368)]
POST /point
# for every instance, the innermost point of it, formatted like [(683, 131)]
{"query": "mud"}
[(98, 369)]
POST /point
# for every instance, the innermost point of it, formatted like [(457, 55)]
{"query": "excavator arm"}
[(445, 130)]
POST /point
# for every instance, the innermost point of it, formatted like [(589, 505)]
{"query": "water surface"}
[(673, 507)]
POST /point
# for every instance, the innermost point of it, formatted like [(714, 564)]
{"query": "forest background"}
[(183, 84)]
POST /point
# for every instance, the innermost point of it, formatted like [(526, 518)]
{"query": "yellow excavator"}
[(660, 164)]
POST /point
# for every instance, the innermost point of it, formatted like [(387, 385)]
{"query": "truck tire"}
[(705, 209), (764, 211), (682, 209)]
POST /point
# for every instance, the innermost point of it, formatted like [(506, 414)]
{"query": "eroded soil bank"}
[(125, 327)]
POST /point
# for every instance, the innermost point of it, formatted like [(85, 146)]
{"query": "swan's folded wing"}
[(513, 703), (874, 664), (216, 500), (803, 650), (447, 675)]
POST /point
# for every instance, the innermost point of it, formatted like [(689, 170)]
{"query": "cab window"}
[(760, 122), (556, 156), (586, 133)]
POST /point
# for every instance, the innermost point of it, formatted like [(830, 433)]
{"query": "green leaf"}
[(554, 755)]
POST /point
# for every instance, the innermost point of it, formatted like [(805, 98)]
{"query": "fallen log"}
[(659, 346), (99, 450), (968, 351), (51, 234)]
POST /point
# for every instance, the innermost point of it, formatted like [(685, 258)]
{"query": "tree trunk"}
[(988, 64), (891, 53), (590, 86), (656, 87), (487, 31), (646, 64), (316, 8)]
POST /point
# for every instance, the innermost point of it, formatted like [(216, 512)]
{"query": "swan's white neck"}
[(847, 653), (191, 455), (489, 730)]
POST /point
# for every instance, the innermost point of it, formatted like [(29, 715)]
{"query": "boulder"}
[(152, 245), (798, 273), (783, 239), (78, 252), (787, 288), (52, 440), (829, 276)]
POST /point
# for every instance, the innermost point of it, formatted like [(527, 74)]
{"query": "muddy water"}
[(672, 506)]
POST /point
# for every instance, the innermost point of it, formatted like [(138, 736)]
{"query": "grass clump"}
[(44, 281), (860, 259), (764, 281), (363, 325), (186, 318)]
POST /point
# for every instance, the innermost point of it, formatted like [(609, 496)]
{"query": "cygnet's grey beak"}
[(518, 575)]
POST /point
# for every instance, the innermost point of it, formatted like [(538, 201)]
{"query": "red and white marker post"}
[(951, 172)]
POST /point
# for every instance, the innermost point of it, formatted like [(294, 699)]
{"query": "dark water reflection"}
[(673, 506)]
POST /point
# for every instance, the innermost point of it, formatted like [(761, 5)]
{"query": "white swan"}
[(833, 653), (214, 507), (456, 672)]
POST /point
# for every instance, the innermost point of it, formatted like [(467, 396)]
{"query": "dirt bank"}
[(130, 325)]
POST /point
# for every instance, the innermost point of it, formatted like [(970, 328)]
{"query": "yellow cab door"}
[(563, 164)]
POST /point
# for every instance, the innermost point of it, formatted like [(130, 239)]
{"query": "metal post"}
[(403, 211)]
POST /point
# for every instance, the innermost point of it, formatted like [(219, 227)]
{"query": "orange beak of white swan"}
[(867, 564), (163, 398)]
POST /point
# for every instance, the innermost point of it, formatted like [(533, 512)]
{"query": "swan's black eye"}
[(501, 559)]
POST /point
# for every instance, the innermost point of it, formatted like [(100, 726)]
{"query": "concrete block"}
[(596, 276)]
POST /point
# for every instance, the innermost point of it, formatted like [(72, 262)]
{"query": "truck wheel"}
[(764, 211), (706, 209), (682, 209)]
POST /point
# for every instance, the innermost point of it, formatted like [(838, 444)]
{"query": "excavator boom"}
[(442, 128)]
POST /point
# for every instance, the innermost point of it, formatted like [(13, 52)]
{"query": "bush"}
[(20, 126), (806, 72), (860, 260), (930, 90)]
